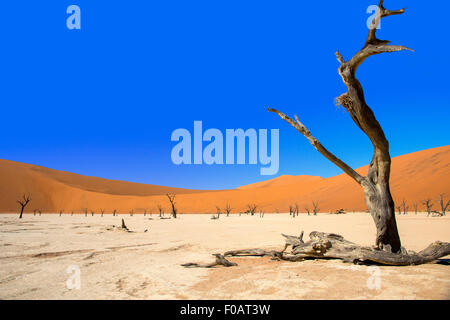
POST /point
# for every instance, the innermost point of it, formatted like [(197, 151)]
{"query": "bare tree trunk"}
[(315, 207), (428, 204), (21, 211), (171, 197), (443, 204), (377, 193), (23, 202)]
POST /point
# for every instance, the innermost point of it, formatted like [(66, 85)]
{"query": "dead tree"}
[(228, 209), (291, 210), (23, 202), (102, 212), (307, 210), (92, 212), (315, 207), (399, 209), (161, 210), (131, 212), (34, 212), (296, 209), (60, 212), (375, 185), (404, 207), (415, 205), (428, 205), (85, 212), (443, 204), (171, 197), (218, 211), (251, 208)]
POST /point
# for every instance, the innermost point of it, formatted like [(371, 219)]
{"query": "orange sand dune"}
[(415, 176)]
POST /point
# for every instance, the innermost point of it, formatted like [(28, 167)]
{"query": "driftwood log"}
[(333, 246)]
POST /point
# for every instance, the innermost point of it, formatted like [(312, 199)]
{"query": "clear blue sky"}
[(104, 100)]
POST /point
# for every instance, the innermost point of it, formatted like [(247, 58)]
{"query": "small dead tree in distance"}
[(171, 197), (161, 210), (218, 211), (251, 208), (404, 207), (428, 205), (443, 204), (315, 207), (24, 201), (228, 209)]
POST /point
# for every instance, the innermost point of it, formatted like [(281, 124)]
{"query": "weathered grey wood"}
[(220, 261), (333, 246)]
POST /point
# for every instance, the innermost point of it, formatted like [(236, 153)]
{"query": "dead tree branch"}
[(333, 246), (220, 261)]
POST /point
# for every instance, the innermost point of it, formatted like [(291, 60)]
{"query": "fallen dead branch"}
[(333, 246), (220, 260)]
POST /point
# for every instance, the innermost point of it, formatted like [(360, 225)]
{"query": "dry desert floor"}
[(37, 252)]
